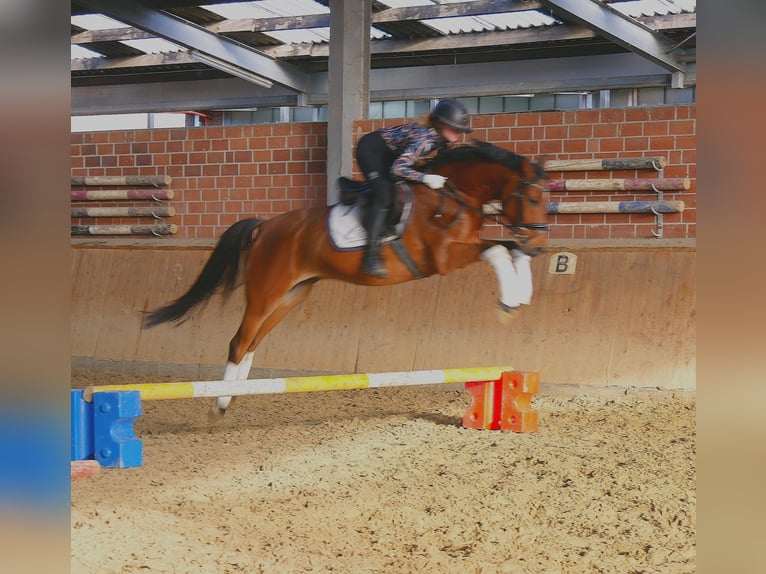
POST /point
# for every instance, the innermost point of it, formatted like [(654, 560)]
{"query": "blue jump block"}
[(82, 426), (103, 429)]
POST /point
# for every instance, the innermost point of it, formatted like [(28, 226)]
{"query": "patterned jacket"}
[(414, 144)]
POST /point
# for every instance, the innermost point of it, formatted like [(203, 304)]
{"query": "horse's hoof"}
[(505, 313), (215, 414), (507, 308)]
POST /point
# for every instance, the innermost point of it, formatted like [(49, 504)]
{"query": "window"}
[(410, 109)]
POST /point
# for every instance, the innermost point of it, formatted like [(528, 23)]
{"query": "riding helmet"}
[(451, 113)]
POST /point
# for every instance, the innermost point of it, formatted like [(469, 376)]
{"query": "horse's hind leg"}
[(239, 371), (232, 372)]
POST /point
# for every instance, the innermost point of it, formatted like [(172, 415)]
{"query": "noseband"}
[(520, 197)]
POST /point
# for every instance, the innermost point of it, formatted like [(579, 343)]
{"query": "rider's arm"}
[(413, 155)]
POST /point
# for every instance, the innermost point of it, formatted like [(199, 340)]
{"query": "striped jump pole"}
[(122, 194), (575, 207), (641, 184), (655, 207), (157, 229), (215, 389), (102, 416)]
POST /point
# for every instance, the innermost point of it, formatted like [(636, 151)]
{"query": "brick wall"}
[(221, 174)]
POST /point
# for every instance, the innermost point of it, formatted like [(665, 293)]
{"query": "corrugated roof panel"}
[(488, 22), (80, 53), (525, 19), (303, 36), (153, 45), (97, 22), (639, 8), (276, 9), (268, 8), (315, 35), (458, 24)]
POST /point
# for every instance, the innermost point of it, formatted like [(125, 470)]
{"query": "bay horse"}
[(283, 257)]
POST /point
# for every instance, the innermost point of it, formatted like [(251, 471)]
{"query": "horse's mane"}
[(477, 151)]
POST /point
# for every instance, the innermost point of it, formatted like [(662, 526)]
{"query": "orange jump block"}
[(504, 403), (83, 468)]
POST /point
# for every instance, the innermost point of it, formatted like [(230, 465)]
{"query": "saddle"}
[(355, 192), (351, 190), (345, 218), (344, 222)]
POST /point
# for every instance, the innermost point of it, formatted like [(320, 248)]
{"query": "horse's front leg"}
[(500, 260), (521, 262), (514, 276)]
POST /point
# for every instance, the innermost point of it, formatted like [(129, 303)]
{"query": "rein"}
[(453, 193)]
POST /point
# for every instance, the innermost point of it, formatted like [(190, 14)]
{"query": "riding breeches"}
[(375, 160)]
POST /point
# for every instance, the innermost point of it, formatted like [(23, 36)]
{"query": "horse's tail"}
[(220, 273)]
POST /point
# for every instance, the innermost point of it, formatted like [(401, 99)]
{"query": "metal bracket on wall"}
[(657, 215)]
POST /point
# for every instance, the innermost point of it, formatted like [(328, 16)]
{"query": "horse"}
[(280, 259)]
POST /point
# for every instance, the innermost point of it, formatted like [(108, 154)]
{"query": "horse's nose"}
[(534, 245)]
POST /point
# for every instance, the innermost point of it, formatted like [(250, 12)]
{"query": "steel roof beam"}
[(611, 24), (201, 40), (413, 14), (155, 97), (502, 39), (579, 73)]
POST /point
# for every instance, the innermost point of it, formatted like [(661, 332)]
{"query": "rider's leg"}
[(375, 222), (375, 159)]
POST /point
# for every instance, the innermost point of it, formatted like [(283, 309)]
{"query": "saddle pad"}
[(344, 225)]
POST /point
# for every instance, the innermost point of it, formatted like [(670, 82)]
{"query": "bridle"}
[(452, 192), (520, 198)]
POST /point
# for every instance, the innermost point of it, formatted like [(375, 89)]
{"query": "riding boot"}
[(371, 262)]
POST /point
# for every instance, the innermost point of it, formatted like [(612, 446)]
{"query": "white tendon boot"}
[(500, 259), (232, 372), (523, 274)]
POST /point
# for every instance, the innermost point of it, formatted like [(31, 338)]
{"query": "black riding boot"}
[(375, 224)]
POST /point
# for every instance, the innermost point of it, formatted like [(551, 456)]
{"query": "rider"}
[(394, 153)]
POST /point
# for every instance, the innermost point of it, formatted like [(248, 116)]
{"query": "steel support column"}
[(348, 85)]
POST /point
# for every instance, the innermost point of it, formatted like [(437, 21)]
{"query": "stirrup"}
[(372, 265)]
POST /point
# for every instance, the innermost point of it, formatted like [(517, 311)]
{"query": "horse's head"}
[(489, 173), (524, 201)]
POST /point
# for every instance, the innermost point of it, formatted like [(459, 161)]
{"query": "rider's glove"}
[(434, 181)]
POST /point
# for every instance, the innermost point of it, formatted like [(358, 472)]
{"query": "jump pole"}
[(214, 389), (102, 416)]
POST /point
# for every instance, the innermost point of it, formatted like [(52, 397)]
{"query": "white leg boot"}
[(523, 274), (500, 259), (232, 372)]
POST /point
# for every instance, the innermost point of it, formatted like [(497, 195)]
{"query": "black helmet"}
[(451, 113)]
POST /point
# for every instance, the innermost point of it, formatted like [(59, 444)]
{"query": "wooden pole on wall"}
[(642, 184), (155, 212), (655, 163), (120, 194), (157, 180)]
